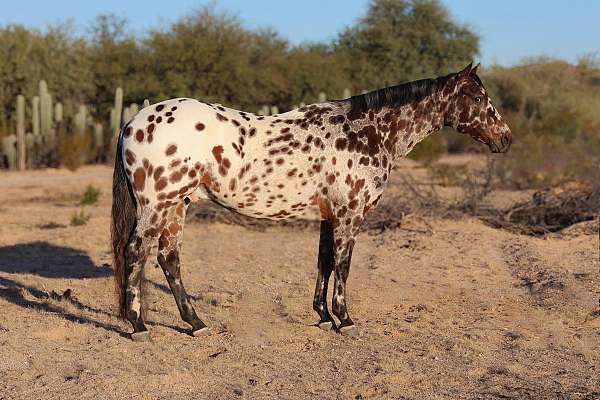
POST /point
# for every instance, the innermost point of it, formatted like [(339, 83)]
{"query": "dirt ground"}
[(447, 309)]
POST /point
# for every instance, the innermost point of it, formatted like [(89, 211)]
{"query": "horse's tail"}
[(122, 224)]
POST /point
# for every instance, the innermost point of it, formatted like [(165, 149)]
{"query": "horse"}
[(328, 161)]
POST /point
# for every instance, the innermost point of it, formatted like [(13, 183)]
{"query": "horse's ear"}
[(466, 71), (474, 69)]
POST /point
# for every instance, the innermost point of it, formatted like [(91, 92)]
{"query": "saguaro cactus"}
[(21, 145), (81, 120), (264, 110), (35, 115), (58, 112), (30, 145), (346, 94), (322, 97), (116, 112), (9, 150), (130, 112), (98, 137), (45, 111), (146, 103)]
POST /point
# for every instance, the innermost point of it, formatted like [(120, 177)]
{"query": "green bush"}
[(79, 218), (90, 196)]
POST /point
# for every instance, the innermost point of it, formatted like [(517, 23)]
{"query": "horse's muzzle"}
[(504, 145)]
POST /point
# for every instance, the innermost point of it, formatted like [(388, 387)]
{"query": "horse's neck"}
[(417, 120)]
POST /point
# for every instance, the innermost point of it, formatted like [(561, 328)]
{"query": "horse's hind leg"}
[(325, 266), (136, 255), (169, 248)]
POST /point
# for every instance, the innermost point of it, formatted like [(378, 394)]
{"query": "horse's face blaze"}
[(471, 111)]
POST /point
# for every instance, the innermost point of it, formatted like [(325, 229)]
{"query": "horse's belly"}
[(262, 201)]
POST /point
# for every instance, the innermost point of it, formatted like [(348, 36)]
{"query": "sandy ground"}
[(462, 311)]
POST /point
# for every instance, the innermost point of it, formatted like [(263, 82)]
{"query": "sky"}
[(510, 30)]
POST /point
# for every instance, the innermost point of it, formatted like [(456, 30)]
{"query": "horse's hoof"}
[(143, 336), (326, 326), (350, 330), (201, 332)]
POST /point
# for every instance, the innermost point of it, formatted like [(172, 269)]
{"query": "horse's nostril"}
[(505, 140)]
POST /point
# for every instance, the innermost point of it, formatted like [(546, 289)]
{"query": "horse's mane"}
[(395, 96)]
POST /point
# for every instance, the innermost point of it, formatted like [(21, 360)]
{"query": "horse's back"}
[(186, 148)]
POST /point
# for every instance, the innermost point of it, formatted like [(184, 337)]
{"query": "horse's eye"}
[(478, 99)]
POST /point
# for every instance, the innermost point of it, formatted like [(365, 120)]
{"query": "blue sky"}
[(510, 29)]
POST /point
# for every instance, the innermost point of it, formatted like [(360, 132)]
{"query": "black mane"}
[(395, 96)]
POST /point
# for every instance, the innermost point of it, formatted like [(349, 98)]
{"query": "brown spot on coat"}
[(139, 179), (158, 172), (160, 184), (175, 176), (218, 153), (139, 135), (129, 157), (171, 149)]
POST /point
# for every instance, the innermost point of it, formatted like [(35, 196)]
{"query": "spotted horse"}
[(328, 161)]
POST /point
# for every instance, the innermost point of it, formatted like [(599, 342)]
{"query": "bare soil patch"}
[(448, 308)]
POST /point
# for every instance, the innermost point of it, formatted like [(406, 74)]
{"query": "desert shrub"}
[(73, 150), (90, 196), (79, 218), (542, 161), (551, 107), (430, 149), (448, 175)]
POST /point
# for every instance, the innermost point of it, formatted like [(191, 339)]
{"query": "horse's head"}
[(471, 111)]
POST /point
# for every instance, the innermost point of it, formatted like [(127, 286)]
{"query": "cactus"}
[(322, 97), (21, 145), (81, 120), (58, 112), (117, 111), (45, 111), (146, 103), (126, 114), (274, 110), (30, 145), (346, 94), (35, 115), (98, 136), (9, 150), (264, 110), (130, 112)]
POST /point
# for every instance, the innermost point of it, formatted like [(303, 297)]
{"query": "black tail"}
[(122, 225)]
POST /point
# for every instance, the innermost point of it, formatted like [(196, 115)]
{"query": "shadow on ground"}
[(57, 262), (50, 261)]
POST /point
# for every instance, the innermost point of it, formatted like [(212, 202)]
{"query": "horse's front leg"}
[(325, 265), (345, 233), (343, 257)]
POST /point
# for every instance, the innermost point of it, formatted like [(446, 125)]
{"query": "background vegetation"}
[(551, 105)]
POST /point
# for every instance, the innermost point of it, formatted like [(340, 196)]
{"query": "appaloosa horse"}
[(329, 161)]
